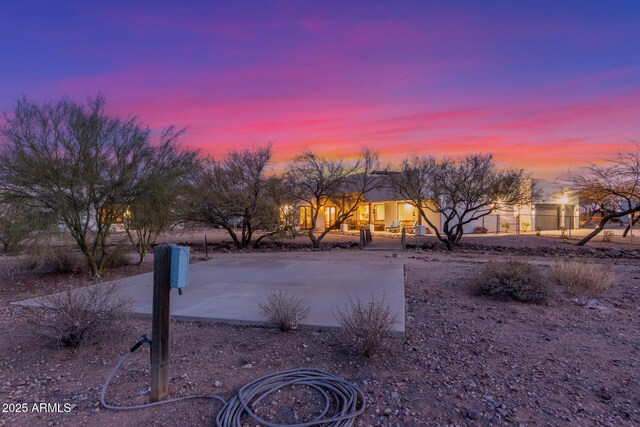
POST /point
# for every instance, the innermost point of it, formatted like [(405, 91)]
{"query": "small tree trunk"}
[(314, 241), (595, 232), (141, 255)]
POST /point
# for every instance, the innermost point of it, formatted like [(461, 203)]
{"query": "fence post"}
[(362, 243), (404, 239)]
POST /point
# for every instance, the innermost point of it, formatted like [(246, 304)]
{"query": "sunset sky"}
[(542, 85)]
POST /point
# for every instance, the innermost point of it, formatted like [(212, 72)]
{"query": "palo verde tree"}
[(318, 182), (160, 207), (615, 188), (236, 193), (80, 163), (19, 223), (458, 191)]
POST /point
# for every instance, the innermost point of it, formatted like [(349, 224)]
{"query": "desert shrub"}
[(366, 326), (50, 262), (284, 309), (118, 259), (607, 235), (511, 279), (584, 281), (79, 316)]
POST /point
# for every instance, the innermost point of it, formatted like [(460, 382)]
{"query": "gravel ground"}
[(464, 360)]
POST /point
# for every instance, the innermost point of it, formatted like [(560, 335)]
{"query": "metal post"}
[(160, 323), (404, 239)]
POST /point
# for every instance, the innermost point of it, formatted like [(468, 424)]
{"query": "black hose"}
[(348, 400), (345, 397)]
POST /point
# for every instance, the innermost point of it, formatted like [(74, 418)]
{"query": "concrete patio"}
[(229, 290)]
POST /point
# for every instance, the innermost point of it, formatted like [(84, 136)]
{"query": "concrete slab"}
[(229, 290)]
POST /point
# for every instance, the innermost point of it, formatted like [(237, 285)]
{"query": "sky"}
[(543, 85)]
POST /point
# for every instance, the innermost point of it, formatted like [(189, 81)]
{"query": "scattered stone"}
[(473, 415)]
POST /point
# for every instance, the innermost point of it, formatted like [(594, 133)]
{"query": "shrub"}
[(82, 315), (584, 281), (525, 226), (55, 263), (118, 259), (512, 279), (481, 230), (607, 235), (284, 309), (506, 227), (366, 326)]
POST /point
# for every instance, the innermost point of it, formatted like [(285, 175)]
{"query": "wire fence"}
[(528, 224)]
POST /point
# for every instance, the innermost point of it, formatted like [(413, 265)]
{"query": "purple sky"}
[(543, 85)]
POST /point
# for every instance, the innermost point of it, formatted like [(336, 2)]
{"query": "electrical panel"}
[(179, 266)]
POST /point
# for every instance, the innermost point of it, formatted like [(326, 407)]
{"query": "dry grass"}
[(80, 316), (512, 279), (366, 326), (284, 310), (584, 281)]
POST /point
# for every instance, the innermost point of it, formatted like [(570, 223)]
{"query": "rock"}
[(473, 415), (248, 366), (394, 395), (217, 384), (502, 412)]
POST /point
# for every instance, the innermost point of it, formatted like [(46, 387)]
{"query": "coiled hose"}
[(348, 400)]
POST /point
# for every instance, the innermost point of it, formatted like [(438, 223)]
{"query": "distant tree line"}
[(74, 167)]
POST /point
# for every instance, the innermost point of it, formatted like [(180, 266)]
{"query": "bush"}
[(118, 259), (607, 235), (284, 309), (584, 281), (512, 279), (366, 327), (55, 263), (481, 230), (82, 315)]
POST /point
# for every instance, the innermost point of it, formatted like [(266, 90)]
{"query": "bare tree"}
[(458, 191), (318, 182), (160, 207), (78, 162), (236, 194), (614, 187)]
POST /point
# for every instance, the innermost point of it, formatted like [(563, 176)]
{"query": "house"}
[(552, 208)]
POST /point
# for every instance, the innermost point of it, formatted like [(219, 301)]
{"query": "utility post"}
[(160, 323), (170, 270)]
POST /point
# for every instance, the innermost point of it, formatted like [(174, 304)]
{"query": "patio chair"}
[(411, 228), (394, 227)]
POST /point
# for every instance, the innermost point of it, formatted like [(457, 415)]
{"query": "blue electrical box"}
[(179, 266)]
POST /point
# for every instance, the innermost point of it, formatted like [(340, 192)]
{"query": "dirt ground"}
[(463, 361)]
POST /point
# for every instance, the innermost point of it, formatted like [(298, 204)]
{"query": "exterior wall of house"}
[(552, 209)]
